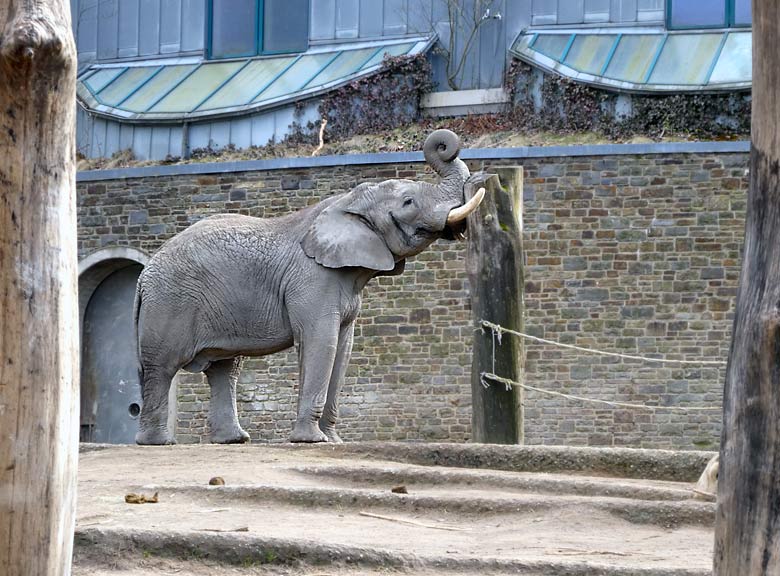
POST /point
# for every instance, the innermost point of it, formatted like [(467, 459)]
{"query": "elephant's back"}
[(229, 249), (223, 271), (223, 226), (225, 234)]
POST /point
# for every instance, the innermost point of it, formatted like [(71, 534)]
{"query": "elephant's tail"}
[(137, 333)]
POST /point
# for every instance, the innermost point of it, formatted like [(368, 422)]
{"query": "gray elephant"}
[(232, 286)]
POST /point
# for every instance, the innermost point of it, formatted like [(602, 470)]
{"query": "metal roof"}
[(643, 59), (190, 88)]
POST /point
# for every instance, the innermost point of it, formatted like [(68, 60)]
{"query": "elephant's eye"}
[(408, 202)]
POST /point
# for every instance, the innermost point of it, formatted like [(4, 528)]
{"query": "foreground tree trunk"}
[(747, 538), (38, 312), (494, 261)]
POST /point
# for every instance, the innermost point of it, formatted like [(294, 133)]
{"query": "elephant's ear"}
[(400, 266), (340, 236)]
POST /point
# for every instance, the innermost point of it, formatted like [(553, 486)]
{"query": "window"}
[(239, 28), (708, 13), (645, 60)]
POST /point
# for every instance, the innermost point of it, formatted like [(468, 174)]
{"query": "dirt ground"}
[(290, 510)]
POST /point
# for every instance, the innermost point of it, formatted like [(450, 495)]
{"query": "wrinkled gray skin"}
[(233, 286)]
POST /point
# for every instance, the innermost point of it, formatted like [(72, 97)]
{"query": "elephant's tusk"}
[(461, 212)]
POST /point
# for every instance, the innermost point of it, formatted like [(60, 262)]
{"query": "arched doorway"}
[(110, 390), (109, 372)]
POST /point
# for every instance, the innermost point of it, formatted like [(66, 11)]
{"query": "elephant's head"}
[(378, 225)]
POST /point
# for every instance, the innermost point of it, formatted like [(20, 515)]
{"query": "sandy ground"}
[(162, 567), (472, 521)]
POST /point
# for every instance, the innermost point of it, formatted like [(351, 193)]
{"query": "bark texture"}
[(494, 262), (747, 537), (38, 306)]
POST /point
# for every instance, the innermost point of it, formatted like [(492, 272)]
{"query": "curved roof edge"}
[(323, 68), (643, 60)]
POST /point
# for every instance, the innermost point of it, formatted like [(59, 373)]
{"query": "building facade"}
[(165, 77)]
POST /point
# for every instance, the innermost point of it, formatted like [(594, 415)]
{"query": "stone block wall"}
[(638, 255), (635, 254)]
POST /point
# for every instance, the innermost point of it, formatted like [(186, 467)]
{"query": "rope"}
[(500, 329), (509, 383)]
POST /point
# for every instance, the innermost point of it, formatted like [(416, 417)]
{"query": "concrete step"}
[(673, 465), (304, 510), (544, 483), (660, 513), (99, 546)]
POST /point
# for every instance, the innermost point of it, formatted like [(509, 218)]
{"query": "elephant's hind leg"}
[(153, 423), (223, 418)]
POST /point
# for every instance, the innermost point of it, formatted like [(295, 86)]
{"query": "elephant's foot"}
[(307, 432), (154, 437), (234, 435), (330, 433)]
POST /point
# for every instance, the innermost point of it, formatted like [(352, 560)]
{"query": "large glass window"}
[(286, 26), (708, 13), (233, 28), (248, 27), (743, 13)]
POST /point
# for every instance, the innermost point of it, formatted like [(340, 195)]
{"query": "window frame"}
[(728, 22), (259, 23)]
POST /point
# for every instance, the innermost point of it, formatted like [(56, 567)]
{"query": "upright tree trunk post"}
[(38, 310), (747, 534), (494, 262)]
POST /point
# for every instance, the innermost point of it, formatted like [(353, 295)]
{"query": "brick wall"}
[(638, 254)]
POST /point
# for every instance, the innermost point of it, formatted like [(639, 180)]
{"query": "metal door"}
[(109, 364)]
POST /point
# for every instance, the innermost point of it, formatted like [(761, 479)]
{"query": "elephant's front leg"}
[(331, 413), (223, 418), (317, 351)]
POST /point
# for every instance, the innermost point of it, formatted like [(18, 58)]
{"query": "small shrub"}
[(564, 105), (380, 102)]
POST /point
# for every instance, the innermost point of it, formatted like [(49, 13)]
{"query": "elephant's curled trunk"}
[(441, 150)]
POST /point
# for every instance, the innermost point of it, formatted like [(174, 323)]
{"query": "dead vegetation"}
[(483, 131)]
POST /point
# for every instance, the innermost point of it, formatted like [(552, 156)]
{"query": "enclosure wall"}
[(631, 253)]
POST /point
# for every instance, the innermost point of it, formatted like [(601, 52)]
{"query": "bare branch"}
[(466, 23)]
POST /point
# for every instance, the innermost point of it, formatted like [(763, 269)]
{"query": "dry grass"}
[(485, 131)]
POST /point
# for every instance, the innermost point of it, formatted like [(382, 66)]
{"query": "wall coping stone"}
[(412, 157)]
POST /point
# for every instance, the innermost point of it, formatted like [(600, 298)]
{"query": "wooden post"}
[(494, 262), (38, 305), (747, 532)]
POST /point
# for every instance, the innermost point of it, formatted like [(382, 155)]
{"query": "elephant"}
[(233, 286)]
